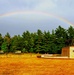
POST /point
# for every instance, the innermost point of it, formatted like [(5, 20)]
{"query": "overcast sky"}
[(18, 23)]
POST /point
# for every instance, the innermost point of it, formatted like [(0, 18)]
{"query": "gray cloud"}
[(63, 8)]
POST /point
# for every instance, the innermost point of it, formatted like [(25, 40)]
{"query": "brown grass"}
[(28, 64)]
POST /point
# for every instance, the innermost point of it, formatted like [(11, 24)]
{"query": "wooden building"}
[(68, 51)]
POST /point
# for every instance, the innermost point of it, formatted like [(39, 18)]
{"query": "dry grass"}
[(28, 64)]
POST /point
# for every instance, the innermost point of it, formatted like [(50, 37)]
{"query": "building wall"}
[(72, 52), (68, 51), (65, 51)]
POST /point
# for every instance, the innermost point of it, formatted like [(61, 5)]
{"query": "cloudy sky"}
[(17, 16)]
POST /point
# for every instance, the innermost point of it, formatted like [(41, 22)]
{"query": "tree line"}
[(42, 42)]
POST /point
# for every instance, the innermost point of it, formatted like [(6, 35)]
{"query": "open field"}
[(28, 64)]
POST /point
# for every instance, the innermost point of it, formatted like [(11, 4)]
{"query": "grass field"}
[(28, 64)]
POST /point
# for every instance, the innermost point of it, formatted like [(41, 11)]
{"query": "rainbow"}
[(36, 12)]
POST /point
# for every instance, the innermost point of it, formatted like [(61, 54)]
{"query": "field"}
[(28, 64)]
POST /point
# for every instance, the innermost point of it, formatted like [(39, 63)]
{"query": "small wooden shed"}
[(68, 51)]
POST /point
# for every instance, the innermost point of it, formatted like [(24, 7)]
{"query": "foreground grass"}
[(28, 64)]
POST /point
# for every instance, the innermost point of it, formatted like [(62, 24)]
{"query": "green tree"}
[(46, 41), (61, 33), (42, 42), (16, 43), (7, 35), (24, 50), (26, 40), (70, 33), (7, 40), (4, 47), (1, 40), (39, 40), (61, 36)]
